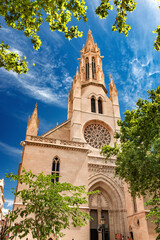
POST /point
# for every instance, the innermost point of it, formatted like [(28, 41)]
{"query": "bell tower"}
[(90, 62), (88, 103)]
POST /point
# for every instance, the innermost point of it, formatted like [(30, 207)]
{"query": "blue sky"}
[(132, 61)]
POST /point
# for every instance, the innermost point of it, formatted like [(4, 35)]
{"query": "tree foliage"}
[(28, 15), (138, 156), (122, 7), (48, 207), (12, 61)]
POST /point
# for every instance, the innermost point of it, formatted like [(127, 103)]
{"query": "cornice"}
[(101, 166), (95, 84), (54, 143), (138, 213)]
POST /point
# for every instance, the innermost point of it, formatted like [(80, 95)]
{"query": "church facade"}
[(71, 149)]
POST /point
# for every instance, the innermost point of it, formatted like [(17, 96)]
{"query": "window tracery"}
[(55, 169), (96, 135)]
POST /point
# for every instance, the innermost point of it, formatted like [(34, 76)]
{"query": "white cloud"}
[(6, 30), (47, 82), (14, 74), (152, 73), (5, 210), (153, 6), (9, 202), (43, 93), (16, 51), (137, 70), (9, 150)]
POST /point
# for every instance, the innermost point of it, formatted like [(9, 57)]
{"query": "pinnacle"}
[(89, 32), (90, 41), (77, 72), (111, 78)]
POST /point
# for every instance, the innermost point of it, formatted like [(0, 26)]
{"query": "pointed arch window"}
[(100, 110), (55, 169), (87, 68), (93, 68), (93, 104)]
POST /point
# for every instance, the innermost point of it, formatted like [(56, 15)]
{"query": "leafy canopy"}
[(138, 156), (12, 61), (28, 15), (47, 208)]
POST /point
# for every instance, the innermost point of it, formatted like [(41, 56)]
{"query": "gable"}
[(61, 131)]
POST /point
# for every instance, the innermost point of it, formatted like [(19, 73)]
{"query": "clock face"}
[(97, 135)]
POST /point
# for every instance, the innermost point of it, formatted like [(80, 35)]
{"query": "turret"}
[(33, 123)]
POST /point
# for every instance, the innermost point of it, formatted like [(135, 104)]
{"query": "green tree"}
[(48, 207), (123, 7), (138, 155), (28, 15)]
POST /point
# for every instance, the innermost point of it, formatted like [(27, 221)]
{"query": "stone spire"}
[(90, 62), (77, 73), (113, 94), (33, 123), (90, 42)]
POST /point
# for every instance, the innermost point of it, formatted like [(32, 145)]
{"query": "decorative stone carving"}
[(96, 135), (109, 171), (95, 168), (101, 160)]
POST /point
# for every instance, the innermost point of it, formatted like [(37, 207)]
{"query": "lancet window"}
[(93, 68), (55, 169), (87, 68), (100, 106), (93, 104)]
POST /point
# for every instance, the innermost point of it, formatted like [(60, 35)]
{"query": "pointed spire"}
[(90, 42), (111, 79), (35, 113), (33, 123), (112, 89), (77, 73)]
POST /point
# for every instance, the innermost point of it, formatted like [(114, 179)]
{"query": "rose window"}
[(97, 135)]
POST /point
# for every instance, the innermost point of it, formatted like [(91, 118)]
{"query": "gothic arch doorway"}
[(110, 204), (99, 209)]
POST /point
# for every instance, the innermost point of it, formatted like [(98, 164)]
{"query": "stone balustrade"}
[(55, 141)]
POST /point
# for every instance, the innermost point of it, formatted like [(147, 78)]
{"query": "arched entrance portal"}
[(110, 205), (99, 209)]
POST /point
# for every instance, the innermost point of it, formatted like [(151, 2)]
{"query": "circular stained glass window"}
[(97, 135)]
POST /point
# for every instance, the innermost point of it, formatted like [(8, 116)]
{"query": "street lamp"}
[(102, 221)]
